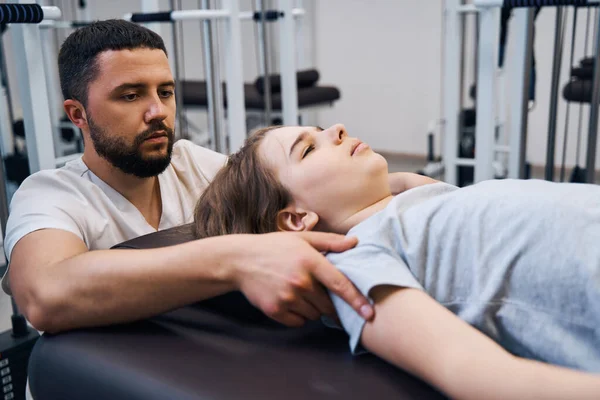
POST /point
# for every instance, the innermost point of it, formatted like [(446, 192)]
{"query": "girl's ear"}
[(296, 220)]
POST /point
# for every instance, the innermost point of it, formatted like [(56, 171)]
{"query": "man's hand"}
[(283, 274)]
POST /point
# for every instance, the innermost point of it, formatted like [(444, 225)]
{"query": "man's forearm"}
[(111, 286)]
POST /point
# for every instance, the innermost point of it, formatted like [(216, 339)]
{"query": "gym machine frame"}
[(31, 79), (233, 56), (16, 343), (34, 96), (485, 130), (287, 64)]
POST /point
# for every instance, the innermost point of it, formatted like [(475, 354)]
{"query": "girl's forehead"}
[(287, 131), (275, 146), (282, 138)]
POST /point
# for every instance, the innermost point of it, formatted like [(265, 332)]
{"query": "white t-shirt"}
[(74, 199)]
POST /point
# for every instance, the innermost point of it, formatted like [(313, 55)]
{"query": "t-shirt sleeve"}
[(368, 266), (39, 203)]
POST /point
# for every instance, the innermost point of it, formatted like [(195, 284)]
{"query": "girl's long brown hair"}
[(244, 197)]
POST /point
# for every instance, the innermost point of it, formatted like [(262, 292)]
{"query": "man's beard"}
[(129, 158)]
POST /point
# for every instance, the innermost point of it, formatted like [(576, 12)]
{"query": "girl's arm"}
[(414, 332), (401, 181)]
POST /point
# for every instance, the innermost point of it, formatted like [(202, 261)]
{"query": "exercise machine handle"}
[(151, 17), (21, 13)]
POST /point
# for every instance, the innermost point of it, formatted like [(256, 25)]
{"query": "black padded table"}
[(194, 95), (222, 348)]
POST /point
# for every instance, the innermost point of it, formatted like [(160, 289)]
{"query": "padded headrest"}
[(579, 91), (589, 61), (304, 79), (168, 237), (585, 72)]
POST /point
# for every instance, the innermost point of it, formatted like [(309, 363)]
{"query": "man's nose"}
[(157, 111)]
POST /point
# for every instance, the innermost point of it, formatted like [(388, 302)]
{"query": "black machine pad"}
[(195, 95)]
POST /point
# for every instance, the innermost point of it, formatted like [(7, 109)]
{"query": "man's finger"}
[(290, 319), (305, 310), (319, 298), (337, 282), (323, 241)]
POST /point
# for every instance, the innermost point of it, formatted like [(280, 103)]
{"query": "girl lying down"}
[(489, 291)]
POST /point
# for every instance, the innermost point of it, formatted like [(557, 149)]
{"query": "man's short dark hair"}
[(77, 59)]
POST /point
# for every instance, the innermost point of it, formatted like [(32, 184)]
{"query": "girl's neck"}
[(359, 216)]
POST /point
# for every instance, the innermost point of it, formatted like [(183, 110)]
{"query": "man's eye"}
[(167, 93), (308, 150), (130, 96)]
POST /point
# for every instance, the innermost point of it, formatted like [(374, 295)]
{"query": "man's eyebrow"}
[(301, 137), (126, 86), (134, 85)]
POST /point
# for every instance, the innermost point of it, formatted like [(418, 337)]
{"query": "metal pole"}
[(451, 86), (585, 54), (287, 62), (264, 38), (489, 24), (523, 20), (235, 80), (27, 47), (556, 64), (214, 89), (463, 46), (6, 112), (566, 132), (5, 129), (178, 77), (49, 56), (300, 59), (590, 167), (3, 197)]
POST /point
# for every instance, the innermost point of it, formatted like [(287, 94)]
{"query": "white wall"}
[(385, 55)]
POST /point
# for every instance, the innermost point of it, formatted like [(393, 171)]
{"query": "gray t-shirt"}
[(518, 260)]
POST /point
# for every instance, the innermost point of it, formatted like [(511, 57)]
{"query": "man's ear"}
[(296, 220), (76, 113)]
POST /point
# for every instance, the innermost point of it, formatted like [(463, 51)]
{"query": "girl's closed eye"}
[(308, 150)]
